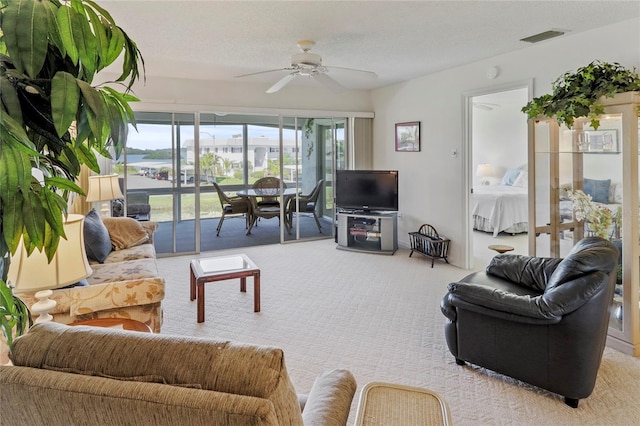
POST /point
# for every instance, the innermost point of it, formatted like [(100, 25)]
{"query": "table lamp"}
[(34, 273), (104, 188), (484, 171)]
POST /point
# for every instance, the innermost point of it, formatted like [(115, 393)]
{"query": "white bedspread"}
[(502, 205)]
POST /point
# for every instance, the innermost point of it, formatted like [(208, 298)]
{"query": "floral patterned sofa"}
[(125, 283)]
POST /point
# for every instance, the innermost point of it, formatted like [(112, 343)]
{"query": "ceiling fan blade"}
[(329, 82), (281, 83), (262, 72), (369, 74)]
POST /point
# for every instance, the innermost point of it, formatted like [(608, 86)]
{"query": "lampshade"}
[(484, 170), (104, 188), (69, 264)]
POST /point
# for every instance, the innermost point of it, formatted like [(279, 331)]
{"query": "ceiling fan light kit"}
[(307, 64)]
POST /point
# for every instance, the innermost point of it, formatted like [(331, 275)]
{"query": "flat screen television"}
[(367, 190)]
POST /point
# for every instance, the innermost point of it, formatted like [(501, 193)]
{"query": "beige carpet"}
[(379, 317)]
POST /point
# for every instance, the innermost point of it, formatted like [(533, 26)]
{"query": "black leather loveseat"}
[(540, 320)]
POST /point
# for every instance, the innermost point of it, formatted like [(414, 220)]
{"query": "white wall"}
[(171, 94), (431, 181), (499, 135)]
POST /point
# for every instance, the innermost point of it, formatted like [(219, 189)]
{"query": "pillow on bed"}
[(615, 193), (598, 189), (510, 176), (522, 181)]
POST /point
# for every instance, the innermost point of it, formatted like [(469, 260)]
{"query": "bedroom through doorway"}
[(498, 203)]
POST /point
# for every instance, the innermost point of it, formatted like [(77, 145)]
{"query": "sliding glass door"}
[(174, 161), (154, 171), (310, 212)]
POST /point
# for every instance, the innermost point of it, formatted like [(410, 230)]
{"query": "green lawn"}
[(162, 209)]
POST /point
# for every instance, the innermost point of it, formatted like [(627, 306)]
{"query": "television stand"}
[(373, 232)]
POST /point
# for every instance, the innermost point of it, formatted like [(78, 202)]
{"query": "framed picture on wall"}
[(408, 136)]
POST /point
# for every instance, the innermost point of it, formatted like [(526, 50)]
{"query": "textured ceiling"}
[(398, 40)]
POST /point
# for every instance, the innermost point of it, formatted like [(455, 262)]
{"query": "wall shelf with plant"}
[(577, 94), (578, 195)]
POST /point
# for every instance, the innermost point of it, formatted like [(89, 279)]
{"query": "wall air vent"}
[(546, 35)]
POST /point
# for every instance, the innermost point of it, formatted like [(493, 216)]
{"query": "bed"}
[(502, 207)]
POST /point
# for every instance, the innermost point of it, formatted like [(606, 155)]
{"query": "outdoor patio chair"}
[(269, 182), (232, 206), (306, 204)]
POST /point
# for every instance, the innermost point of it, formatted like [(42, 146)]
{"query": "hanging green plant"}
[(576, 94)]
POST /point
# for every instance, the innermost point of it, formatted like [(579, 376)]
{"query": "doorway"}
[(318, 141), (496, 143)]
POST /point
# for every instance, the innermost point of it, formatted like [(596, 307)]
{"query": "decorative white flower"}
[(597, 217)]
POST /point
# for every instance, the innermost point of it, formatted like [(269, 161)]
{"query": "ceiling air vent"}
[(546, 35)]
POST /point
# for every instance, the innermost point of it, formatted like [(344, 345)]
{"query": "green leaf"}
[(64, 184), (82, 126), (91, 97), (10, 131), (15, 318), (102, 43), (94, 112), (10, 100), (54, 28), (87, 45), (52, 213), (87, 157), (131, 58), (100, 10), (67, 32), (116, 45), (13, 165), (124, 99), (65, 96), (34, 218), (25, 33)]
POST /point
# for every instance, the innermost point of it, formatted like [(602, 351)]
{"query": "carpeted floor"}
[(379, 316)]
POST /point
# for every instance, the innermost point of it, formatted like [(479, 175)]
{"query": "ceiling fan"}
[(307, 64)]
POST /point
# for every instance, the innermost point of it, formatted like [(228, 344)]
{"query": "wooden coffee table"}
[(121, 323), (221, 268)]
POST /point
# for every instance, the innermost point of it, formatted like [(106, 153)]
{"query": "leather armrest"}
[(531, 272), (329, 401), (499, 300), (451, 303)]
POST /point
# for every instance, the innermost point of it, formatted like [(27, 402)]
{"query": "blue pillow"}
[(510, 176), (97, 242), (598, 189)]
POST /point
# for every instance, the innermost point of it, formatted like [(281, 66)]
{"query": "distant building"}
[(260, 149)]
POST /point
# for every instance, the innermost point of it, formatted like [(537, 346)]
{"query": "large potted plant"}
[(577, 94), (53, 119)]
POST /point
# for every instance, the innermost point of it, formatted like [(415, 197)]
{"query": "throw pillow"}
[(125, 232), (510, 176), (96, 237), (522, 181), (598, 189)]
